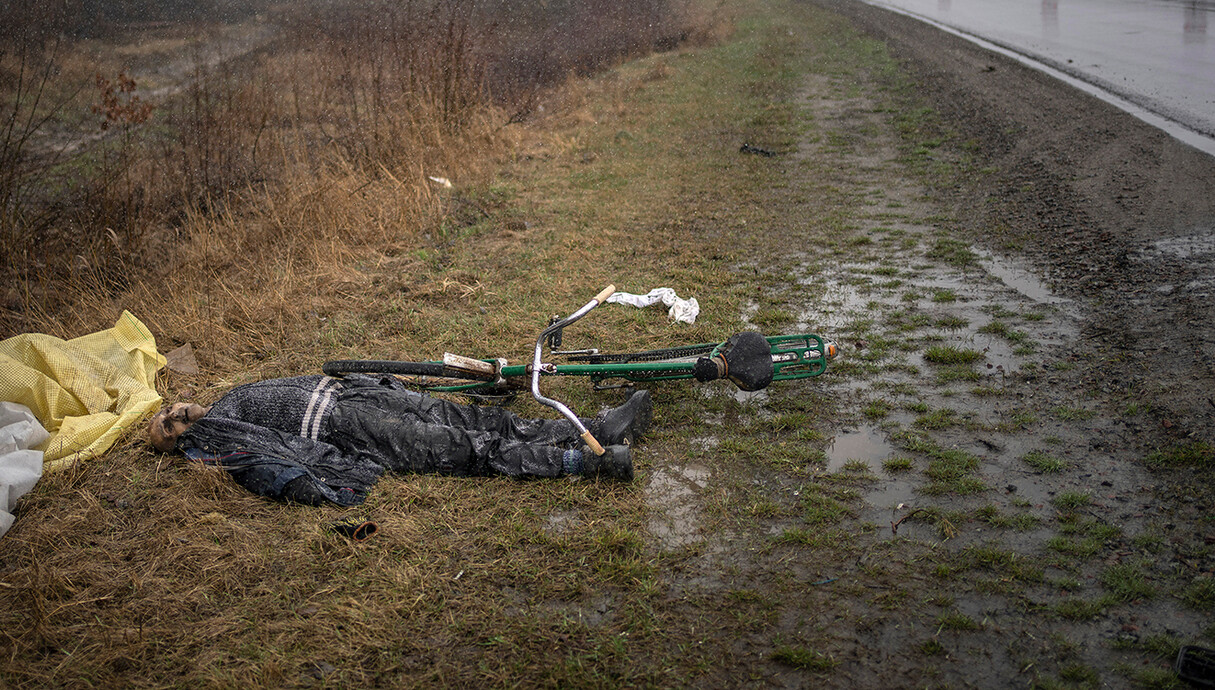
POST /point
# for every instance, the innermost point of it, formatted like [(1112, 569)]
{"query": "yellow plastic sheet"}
[(86, 391)]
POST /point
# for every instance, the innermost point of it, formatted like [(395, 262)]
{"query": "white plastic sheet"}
[(685, 310), (20, 465)]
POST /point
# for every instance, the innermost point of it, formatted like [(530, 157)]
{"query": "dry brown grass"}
[(126, 551), (145, 570)]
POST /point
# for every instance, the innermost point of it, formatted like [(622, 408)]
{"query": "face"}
[(171, 422)]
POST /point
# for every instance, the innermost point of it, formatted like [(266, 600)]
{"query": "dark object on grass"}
[(1196, 665), (747, 148), (357, 528)]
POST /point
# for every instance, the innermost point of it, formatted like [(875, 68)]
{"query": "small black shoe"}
[(625, 424), (615, 463)]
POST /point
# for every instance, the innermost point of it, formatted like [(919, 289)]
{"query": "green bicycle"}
[(749, 360)]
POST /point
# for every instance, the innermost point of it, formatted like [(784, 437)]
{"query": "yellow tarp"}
[(86, 391)]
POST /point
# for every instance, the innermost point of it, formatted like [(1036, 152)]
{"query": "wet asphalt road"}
[(1157, 56)]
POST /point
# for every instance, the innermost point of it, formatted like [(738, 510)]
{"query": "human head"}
[(171, 422)]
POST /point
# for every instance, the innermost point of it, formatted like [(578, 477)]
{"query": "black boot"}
[(624, 424), (615, 463)]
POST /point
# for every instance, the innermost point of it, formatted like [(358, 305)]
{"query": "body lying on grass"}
[(312, 439)]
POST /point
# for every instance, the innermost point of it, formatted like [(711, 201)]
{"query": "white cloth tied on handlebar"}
[(684, 310)]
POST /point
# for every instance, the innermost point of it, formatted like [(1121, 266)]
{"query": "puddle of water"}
[(844, 303), (672, 496), (836, 309), (891, 494), (1202, 288), (709, 391), (887, 508), (1197, 250), (749, 397), (970, 305), (867, 444), (560, 521), (1197, 246), (748, 312), (1020, 279), (998, 354)]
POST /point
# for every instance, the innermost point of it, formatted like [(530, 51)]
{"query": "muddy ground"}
[(1003, 481), (986, 523), (1107, 208)]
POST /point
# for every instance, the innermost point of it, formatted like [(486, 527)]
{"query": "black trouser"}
[(406, 431)]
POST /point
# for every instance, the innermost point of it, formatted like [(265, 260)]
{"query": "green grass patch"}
[(1018, 420), (952, 374), (1079, 675), (1076, 548), (952, 323), (932, 647), (942, 418), (1003, 563), (1044, 462), (1071, 523), (897, 464), (952, 464), (1199, 594), (773, 319), (800, 657), (1076, 609), (1019, 522), (952, 252), (1151, 677), (1072, 500), (1127, 582), (819, 509), (949, 354), (877, 409), (1071, 414), (956, 620), (1199, 454)]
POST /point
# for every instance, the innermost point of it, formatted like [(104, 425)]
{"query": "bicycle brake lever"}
[(554, 339)]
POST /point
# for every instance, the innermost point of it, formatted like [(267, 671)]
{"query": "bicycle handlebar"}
[(537, 367)]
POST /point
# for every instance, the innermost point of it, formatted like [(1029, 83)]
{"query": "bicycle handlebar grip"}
[(589, 439), (607, 292)]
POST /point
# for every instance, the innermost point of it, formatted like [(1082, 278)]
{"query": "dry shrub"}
[(291, 158), (361, 121)]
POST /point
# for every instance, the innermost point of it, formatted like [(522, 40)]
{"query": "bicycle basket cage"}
[(800, 356)]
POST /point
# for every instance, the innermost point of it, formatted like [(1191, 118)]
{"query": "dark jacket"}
[(281, 466)]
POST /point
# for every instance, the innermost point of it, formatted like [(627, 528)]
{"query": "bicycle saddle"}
[(745, 359)]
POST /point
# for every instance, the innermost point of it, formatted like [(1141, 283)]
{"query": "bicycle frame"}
[(792, 357)]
